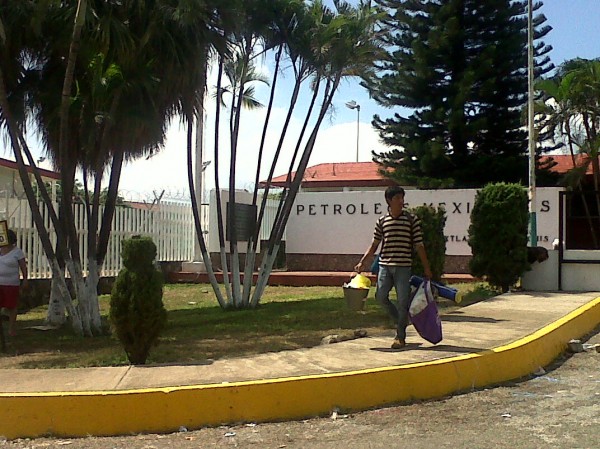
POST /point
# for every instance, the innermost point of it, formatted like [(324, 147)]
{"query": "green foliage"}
[(458, 66), (137, 313), (570, 105), (498, 234), (78, 193), (138, 254), (432, 224)]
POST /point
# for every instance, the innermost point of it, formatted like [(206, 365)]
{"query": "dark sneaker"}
[(398, 344)]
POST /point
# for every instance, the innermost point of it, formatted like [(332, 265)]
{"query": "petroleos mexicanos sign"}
[(343, 222)]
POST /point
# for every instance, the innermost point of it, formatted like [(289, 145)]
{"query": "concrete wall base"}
[(346, 262), (576, 277)]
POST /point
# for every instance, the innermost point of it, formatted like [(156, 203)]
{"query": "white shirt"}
[(9, 267)]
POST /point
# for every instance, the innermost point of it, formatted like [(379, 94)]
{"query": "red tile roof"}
[(43, 172), (564, 162), (366, 174), (338, 174)]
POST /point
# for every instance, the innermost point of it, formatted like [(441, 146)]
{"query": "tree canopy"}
[(460, 67), (101, 81)]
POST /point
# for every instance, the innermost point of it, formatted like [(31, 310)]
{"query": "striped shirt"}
[(398, 236)]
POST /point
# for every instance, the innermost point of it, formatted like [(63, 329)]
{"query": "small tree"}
[(498, 234), (137, 313), (432, 224)]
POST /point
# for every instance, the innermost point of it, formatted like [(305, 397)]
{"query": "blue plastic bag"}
[(443, 290), (375, 264)]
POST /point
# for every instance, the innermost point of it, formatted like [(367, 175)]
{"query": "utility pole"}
[(354, 105), (531, 127)]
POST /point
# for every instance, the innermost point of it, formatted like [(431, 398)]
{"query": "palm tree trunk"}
[(293, 100), (55, 316), (70, 74), (73, 262), (110, 205), (231, 225), (93, 274), (222, 252), (16, 138), (279, 227), (274, 244), (253, 242), (198, 225), (254, 239)]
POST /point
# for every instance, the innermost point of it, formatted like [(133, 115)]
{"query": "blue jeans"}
[(398, 277)]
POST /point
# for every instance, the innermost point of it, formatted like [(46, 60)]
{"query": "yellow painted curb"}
[(166, 409)]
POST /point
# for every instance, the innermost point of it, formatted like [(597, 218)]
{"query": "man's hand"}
[(428, 273), (358, 267)]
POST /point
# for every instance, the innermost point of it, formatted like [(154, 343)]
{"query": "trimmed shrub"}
[(498, 234), (432, 224), (137, 313)]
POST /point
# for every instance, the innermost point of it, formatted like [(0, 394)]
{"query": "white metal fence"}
[(170, 225)]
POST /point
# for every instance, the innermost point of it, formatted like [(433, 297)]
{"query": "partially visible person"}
[(12, 259), (398, 232)]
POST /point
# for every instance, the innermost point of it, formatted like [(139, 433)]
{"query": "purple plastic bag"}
[(424, 314)]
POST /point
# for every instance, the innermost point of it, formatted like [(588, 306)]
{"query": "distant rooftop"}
[(338, 174), (564, 162), (43, 172), (366, 174)]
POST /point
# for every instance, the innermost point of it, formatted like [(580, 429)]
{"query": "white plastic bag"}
[(419, 301)]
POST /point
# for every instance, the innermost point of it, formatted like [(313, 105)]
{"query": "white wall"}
[(343, 222), (575, 276)]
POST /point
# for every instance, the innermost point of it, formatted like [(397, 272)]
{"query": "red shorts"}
[(9, 296)]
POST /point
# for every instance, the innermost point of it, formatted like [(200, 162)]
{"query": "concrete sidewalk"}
[(473, 329), (499, 339)]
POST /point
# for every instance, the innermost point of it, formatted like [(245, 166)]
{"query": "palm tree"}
[(571, 102), (19, 79), (342, 44), (247, 41), (320, 46), (136, 68)]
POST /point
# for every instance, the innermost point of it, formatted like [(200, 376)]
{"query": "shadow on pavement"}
[(408, 347), (457, 317), (453, 348)]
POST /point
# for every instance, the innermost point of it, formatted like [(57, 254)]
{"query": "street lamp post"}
[(354, 105), (530, 127), (205, 164), (199, 168)]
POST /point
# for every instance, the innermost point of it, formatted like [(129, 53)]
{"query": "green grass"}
[(198, 329)]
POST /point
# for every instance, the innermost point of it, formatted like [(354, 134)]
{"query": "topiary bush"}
[(137, 313), (498, 234), (433, 222)]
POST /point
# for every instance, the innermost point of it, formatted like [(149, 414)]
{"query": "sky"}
[(575, 34)]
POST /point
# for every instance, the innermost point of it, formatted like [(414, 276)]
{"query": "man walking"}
[(398, 232)]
